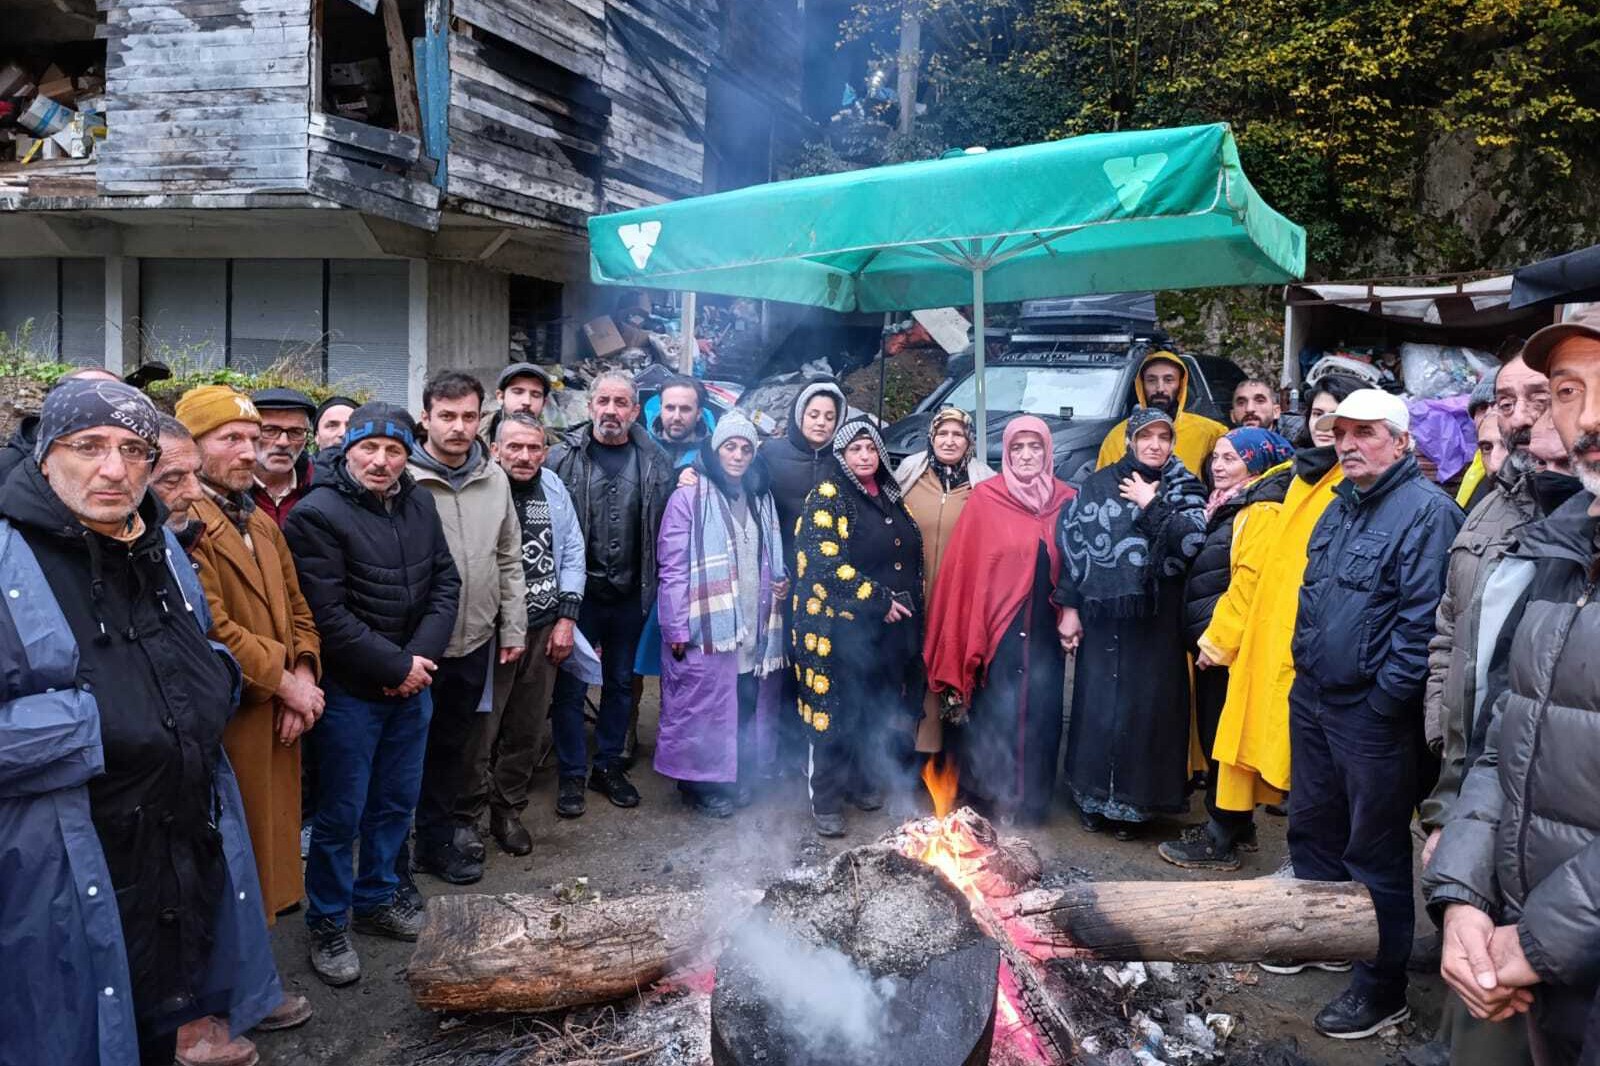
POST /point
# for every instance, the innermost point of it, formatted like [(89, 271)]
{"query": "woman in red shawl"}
[(991, 647)]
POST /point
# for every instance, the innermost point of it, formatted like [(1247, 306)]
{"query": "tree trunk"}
[(909, 63), (532, 953), (1213, 921)]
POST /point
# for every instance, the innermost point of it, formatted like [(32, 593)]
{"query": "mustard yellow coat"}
[(1251, 631), (1194, 435)]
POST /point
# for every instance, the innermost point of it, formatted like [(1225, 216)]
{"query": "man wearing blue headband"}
[(377, 572)]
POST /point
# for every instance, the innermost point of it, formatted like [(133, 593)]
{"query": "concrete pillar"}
[(122, 313), (417, 336)]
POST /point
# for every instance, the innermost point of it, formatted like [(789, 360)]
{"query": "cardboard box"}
[(45, 116), (947, 326), (603, 336)]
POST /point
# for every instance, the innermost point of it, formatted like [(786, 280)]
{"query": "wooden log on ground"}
[(1210, 921), (533, 953)]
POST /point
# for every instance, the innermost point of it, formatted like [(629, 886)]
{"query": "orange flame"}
[(941, 776)]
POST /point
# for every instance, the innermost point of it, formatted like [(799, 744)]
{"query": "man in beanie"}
[(258, 614), (377, 572), (1376, 570), (283, 469), (128, 900), (329, 422), (554, 572), (26, 435)]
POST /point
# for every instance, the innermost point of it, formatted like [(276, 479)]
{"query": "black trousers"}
[(1352, 790), (613, 629), (1210, 693), (870, 743), (454, 741), (157, 1049)]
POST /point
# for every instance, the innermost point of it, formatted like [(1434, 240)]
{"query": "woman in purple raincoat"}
[(722, 577)]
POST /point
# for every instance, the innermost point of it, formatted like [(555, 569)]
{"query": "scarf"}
[(235, 506), (1036, 492), (950, 475), (853, 430), (1115, 554), (1261, 450), (714, 583)]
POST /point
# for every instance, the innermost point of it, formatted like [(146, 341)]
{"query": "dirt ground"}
[(375, 1023)]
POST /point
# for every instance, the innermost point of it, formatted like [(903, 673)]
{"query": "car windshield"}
[(1042, 390)]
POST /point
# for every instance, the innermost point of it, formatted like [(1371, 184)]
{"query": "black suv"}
[(1073, 363)]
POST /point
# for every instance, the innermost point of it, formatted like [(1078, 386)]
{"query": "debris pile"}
[(51, 121)]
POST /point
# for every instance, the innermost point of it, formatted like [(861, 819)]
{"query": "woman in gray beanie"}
[(723, 582)]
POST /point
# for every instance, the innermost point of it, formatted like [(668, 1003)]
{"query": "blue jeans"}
[(370, 756), (613, 629), (1351, 792)]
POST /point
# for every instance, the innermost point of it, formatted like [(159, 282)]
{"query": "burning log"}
[(531, 953), (1209, 921), (966, 846)]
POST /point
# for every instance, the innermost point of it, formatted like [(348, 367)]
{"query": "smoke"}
[(823, 1002)]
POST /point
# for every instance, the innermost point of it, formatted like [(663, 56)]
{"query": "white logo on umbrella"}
[(1132, 176), (640, 240)]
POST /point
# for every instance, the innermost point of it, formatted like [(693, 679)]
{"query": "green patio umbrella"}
[(1107, 212)]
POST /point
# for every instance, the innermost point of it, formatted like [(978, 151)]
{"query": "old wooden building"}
[(387, 186)]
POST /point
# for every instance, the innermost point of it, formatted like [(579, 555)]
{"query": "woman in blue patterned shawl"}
[(1126, 542)]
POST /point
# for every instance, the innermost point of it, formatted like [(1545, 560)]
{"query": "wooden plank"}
[(423, 167), (495, 196), (124, 101), (149, 62), (532, 38), (522, 183), (374, 204), (401, 76), (374, 180), (225, 38), (537, 74), (369, 6), (155, 124), (239, 12), (292, 74), (266, 162), (501, 107), (583, 154), (150, 144), (375, 139), (289, 21)]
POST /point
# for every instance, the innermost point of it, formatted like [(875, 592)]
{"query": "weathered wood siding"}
[(372, 170), (206, 96)]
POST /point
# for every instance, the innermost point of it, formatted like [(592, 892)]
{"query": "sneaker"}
[(570, 802), (867, 799), (613, 783), (294, 1011), (205, 1042), (829, 825), (1287, 968), (332, 955), (408, 894), (509, 832), (395, 920), (1356, 1015), (1197, 849), (447, 863)]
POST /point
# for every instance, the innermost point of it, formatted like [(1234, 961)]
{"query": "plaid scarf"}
[(714, 586)]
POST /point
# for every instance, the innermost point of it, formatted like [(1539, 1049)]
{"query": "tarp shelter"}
[(1565, 279), (1108, 212)]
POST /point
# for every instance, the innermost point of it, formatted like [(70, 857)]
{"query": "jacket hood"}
[(816, 388), (757, 480), (429, 468), (1163, 356), (1311, 465), (1569, 532)]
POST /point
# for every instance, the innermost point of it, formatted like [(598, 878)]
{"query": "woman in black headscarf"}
[(1126, 542), (857, 633)]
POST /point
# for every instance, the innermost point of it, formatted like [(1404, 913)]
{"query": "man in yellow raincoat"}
[(1163, 382)]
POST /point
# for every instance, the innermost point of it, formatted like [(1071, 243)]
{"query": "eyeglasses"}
[(94, 449), (294, 436)]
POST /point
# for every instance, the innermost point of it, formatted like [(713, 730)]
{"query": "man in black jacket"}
[(375, 568), (1375, 572), (619, 480)]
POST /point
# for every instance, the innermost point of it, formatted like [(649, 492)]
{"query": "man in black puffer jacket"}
[(377, 572), (1516, 873)]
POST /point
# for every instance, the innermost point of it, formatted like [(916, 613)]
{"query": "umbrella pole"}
[(977, 363), (883, 364)]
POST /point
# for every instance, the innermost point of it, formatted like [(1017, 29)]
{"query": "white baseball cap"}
[(1369, 405)]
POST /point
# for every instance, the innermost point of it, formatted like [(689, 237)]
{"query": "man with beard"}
[(1163, 382), (260, 616), (1519, 494), (26, 435), (553, 566), (283, 469), (1374, 575), (1517, 868), (175, 480), (473, 498), (680, 426), (127, 895), (1255, 404), (619, 480)]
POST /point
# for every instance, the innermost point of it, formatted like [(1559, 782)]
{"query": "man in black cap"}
[(328, 425), (283, 469), (521, 388)]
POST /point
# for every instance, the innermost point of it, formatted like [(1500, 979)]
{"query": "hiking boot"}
[(570, 802), (709, 803), (1248, 840), (469, 842), (295, 1010), (1356, 1015), (509, 832), (406, 892), (1286, 968), (612, 783), (829, 825), (867, 799), (205, 1042), (1198, 849), (332, 955), (393, 920), (446, 862), (1091, 822)]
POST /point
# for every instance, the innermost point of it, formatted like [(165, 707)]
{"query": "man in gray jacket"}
[(553, 565), (1516, 873), (474, 503)]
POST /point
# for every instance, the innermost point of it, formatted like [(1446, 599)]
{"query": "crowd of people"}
[(301, 667)]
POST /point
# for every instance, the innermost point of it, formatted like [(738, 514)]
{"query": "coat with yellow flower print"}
[(838, 607)]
